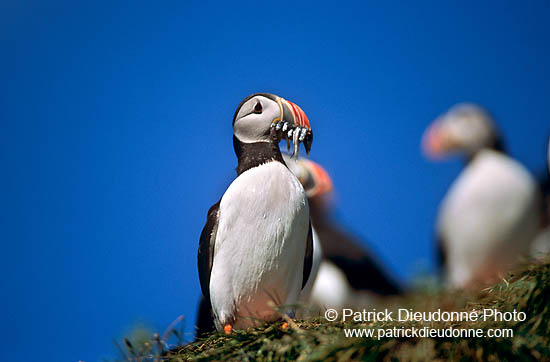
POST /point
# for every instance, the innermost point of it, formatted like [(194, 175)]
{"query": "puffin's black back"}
[(361, 268), (544, 187)]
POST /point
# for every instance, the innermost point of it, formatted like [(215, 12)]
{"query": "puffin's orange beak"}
[(300, 118), (433, 143)]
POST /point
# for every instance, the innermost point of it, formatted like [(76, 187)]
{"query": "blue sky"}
[(116, 138)]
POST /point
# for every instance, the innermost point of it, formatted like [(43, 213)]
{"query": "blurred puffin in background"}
[(348, 274), (490, 215), (255, 251), (541, 245)]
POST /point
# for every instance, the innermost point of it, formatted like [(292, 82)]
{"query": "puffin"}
[(348, 272), (255, 250), (490, 215), (541, 245)]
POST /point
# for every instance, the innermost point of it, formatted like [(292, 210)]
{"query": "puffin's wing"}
[(205, 255), (346, 252), (205, 321), (308, 258)]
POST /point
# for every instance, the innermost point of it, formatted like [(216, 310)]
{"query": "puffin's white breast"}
[(260, 245), (489, 215)]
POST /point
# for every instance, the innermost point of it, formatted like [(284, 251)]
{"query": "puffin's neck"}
[(497, 145), (254, 154)]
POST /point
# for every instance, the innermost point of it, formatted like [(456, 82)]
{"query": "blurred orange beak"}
[(321, 179), (433, 142)]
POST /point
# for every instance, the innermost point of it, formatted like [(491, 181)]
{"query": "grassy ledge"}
[(526, 290)]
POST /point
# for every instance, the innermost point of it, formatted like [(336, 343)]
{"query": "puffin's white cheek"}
[(252, 129)]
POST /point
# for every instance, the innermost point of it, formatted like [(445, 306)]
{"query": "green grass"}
[(527, 290)]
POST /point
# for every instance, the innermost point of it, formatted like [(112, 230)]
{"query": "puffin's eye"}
[(258, 108)]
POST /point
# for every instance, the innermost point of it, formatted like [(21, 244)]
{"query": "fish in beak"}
[(293, 125)]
